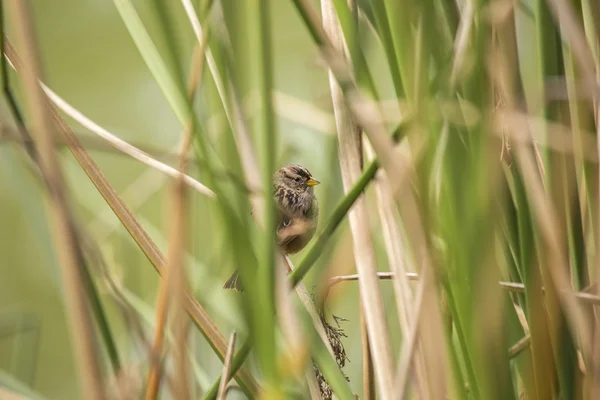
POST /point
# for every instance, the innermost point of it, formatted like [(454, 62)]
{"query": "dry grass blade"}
[(81, 324), (194, 309), (295, 357), (558, 136), (123, 146), (177, 284), (393, 247), (516, 287), (136, 194), (368, 372), (565, 17), (349, 137), (173, 284), (152, 385), (546, 219), (6, 394), (226, 366), (518, 347), (410, 342), (396, 255)]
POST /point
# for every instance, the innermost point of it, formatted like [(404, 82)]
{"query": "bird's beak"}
[(312, 182)]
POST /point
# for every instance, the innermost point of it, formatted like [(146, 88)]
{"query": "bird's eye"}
[(297, 179)]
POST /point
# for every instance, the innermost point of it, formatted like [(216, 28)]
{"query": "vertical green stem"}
[(265, 330)]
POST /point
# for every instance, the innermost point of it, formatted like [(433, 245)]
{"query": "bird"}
[(297, 212)]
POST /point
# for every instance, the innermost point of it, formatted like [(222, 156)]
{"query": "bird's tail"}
[(233, 282)]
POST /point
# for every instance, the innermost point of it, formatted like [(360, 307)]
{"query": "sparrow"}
[(297, 212)]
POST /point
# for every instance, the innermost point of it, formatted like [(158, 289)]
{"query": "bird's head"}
[(295, 177)]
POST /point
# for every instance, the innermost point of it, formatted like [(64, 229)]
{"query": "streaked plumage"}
[(297, 209)]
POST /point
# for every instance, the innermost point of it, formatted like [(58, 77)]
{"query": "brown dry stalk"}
[(516, 287), (546, 216), (6, 394), (518, 347), (226, 366), (178, 286), (397, 259), (78, 315), (198, 314), (368, 374), (349, 138), (409, 344), (160, 316), (173, 284)]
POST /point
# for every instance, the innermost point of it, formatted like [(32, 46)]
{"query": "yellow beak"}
[(312, 182)]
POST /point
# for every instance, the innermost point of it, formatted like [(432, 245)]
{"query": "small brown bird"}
[(297, 212)]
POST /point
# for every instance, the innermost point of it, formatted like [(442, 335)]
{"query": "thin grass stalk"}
[(225, 376), (195, 310), (393, 247), (161, 309), (595, 266), (264, 334), (79, 319), (581, 110), (100, 315), (180, 234), (169, 287), (179, 239), (433, 345), (8, 93), (398, 16), (368, 372), (385, 35), (548, 224), (595, 386), (512, 287), (175, 280), (235, 364), (410, 342), (506, 85), (396, 258), (349, 138), (122, 145), (565, 16), (558, 181), (577, 196), (294, 360), (178, 284)]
